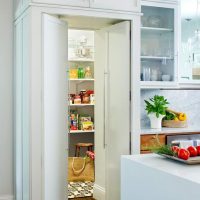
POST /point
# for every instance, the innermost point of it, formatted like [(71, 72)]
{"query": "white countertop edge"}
[(145, 131), (181, 170)]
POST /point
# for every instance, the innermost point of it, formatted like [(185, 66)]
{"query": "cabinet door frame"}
[(175, 6), (36, 76)]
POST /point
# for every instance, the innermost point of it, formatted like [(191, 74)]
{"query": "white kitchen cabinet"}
[(79, 3), (124, 5), (189, 68), (41, 52), (159, 44)]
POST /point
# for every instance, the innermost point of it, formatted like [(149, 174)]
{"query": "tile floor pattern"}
[(80, 189)]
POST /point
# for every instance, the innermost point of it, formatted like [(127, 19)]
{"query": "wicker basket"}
[(174, 124)]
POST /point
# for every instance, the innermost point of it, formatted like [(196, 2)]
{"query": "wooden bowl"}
[(174, 124)]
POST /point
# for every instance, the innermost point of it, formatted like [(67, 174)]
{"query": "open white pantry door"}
[(55, 139), (113, 72)]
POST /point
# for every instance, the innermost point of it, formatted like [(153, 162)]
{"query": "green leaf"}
[(157, 104)]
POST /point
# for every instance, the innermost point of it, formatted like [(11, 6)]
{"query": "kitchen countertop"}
[(151, 176), (188, 172), (146, 131)]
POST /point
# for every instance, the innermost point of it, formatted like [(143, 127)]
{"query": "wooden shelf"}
[(81, 131), (156, 58), (156, 30), (81, 105)]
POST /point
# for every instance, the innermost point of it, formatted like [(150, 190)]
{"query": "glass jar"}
[(86, 99), (81, 72), (77, 99), (82, 93), (88, 72), (92, 99)]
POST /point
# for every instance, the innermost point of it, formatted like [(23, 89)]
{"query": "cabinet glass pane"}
[(190, 36), (157, 44)]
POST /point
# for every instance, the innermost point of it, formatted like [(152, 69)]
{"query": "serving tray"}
[(190, 161)]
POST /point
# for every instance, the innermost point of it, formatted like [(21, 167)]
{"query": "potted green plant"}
[(156, 110)]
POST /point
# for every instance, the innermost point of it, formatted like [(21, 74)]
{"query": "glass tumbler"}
[(146, 73)]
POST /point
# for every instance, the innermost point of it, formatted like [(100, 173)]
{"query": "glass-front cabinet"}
[(159, 45), (190, 41)]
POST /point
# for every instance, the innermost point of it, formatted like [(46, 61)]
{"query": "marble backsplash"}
[(187, 101)]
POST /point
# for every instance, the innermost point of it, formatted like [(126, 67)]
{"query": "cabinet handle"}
[(105, 128)]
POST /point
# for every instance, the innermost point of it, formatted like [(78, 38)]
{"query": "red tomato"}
[(193, 151), (183, 154), (175, 149), (198, 150)]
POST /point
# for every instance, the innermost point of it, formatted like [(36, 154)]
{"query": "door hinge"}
[(130, 95)]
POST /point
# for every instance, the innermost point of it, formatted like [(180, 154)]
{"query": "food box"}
[(87, 126)]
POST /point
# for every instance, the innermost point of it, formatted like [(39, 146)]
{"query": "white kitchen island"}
[(152, 177)]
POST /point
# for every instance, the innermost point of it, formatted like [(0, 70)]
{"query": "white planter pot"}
[(156, 123)]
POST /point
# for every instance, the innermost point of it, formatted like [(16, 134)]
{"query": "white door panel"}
[(118, 105), (55, 108), (112, 110)]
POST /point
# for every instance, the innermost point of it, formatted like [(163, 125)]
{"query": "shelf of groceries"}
[(80, 123)]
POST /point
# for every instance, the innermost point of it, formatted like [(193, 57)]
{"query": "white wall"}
[(6, 137)]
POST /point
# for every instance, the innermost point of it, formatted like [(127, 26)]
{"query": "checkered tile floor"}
[(80, 189)]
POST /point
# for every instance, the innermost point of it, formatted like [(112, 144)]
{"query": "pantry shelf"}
[(156, 30), (156, 58), (81, 79), (81, 60), (81, 105), (81, 131)]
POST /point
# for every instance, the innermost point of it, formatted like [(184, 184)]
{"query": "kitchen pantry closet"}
[(72, 69), (98, 60)]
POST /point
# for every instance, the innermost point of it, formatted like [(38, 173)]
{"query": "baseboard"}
[(99, 192), (6, 197)]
